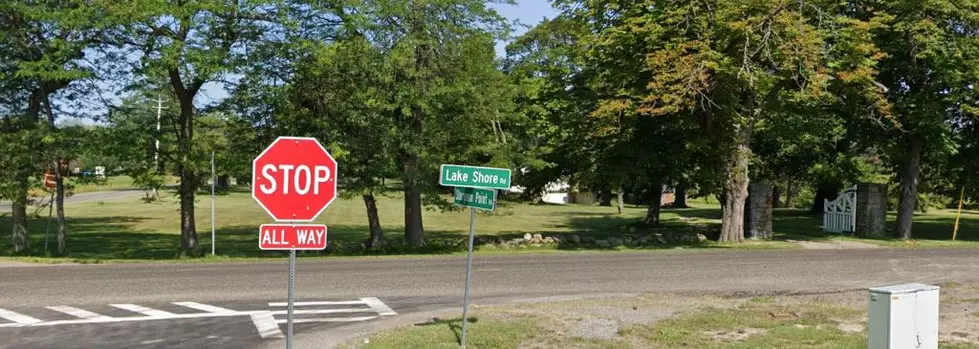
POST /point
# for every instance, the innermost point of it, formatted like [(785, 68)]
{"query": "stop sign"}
[(294, 179)]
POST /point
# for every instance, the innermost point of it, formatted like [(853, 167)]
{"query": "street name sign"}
[(474, 177), (483, 199), (294, 179), (292, 237)]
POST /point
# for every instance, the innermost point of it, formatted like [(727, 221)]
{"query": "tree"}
[(340, 93), (929, 72), (440, 53), (188, 44), (43, 41), (735, 64)]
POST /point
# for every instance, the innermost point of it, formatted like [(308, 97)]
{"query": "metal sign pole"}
[(292, 297), (213, 182), (469, 276)]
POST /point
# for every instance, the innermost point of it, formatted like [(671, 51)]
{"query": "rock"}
[(588, 240), (628, 241), (538, 238), (527, 236), (548, 240), (574, 239), (660, 239), (614, 242), (643, 241), (499, 240), (701, 237), (517, 241), (602, 243), (556, 239)]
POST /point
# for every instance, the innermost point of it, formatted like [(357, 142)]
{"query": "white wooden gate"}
[(840, 215)]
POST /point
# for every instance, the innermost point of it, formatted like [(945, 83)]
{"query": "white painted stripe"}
[(205, 307), (79, 313), (323, 311), (152, 341), (299, 304), (18, 318), (266, 325), (380, 307), (335, 319), (143, 310)]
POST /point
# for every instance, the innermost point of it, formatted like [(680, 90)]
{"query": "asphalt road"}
[(87, 197), (409, 285)]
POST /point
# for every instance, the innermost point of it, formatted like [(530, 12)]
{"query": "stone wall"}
[(758, 211), (871, 210)]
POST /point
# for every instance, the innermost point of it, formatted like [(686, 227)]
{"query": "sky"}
[(527, 12)]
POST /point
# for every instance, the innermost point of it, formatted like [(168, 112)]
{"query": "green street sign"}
[(483, 199), (474, 177)]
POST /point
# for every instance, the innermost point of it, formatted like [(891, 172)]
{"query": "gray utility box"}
[(903, 317)]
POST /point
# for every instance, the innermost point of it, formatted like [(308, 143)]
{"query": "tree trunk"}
[(776, 196), (680, 198), (188, 222), (823, 193), (62, 230), (376, 240), (605, 198), (735, 193), (790, 195), (909, 188), (19, 238), (620, 200), (414, 233), (655, 204)]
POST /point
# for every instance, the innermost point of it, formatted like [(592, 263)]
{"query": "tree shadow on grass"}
[(454, 325)]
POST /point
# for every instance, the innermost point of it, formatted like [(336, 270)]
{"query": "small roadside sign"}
[(292, 237), (483, 199), (474, 177)]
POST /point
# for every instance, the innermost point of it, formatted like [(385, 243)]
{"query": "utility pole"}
[(159, 113)]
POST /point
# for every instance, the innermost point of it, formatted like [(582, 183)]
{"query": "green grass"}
[(813, 325), (481, 333), (128, 229)]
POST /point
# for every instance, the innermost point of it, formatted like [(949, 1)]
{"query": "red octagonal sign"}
[(294, 179)]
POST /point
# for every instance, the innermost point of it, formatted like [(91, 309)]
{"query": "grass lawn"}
[(128, 229), (834, 321), (110, 183)]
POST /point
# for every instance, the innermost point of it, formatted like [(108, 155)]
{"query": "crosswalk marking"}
[(380, 307), (299, 304), (17, 317), (205, 307), (143, 310), (79, 313), (266, 321), (322, 311), (328, 319), (266, 325)]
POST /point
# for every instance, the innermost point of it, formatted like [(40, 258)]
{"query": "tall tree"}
[(189, 44), (45, 41), (341, 93), (929, 71), (441, 54), (734, 64)]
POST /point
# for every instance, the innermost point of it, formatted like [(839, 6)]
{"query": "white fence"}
[(840, 215)]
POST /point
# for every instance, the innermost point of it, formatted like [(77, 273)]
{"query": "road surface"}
[(215, 305), (94, 196)]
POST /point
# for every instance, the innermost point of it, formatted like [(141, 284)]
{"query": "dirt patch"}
[(591, 328), (738, 335), (833, 245)]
